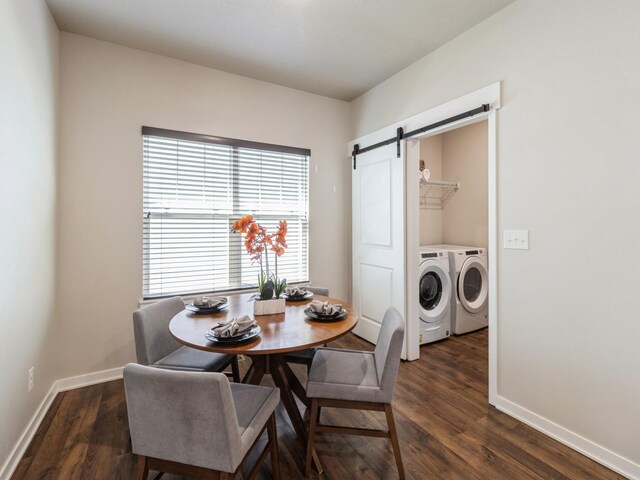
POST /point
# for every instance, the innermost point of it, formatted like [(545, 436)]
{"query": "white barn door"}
[(378, 204)]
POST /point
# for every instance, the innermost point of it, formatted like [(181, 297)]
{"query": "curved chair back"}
[(319, 291), (151, 330), (388, 350), (185, 417)]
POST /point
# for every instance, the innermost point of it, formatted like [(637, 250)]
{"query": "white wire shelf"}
[(435, 194)]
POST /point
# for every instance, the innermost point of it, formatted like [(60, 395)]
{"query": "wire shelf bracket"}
[(435, 194)]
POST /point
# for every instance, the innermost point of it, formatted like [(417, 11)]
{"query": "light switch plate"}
[(516, 239)]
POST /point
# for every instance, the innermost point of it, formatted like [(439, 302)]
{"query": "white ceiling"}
[(337, 48)]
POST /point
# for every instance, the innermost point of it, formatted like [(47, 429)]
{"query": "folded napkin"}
[(296, 291), (233, 327), (209, 301), (325, 308)]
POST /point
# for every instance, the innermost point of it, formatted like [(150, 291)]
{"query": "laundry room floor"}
[(447, 431)]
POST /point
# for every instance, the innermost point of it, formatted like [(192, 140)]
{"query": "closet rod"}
[(401, 135)]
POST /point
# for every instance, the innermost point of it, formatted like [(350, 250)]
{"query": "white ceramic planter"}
[(268, 307)]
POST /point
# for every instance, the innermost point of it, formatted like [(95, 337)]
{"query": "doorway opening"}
[(451, 240), (386, 236)]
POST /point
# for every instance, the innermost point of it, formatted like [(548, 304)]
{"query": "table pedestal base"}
[(288, 383)]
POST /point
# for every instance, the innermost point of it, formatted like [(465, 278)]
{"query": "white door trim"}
[(492, 255), (491, 94)]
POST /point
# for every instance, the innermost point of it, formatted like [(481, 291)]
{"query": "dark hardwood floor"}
[(447, 431)]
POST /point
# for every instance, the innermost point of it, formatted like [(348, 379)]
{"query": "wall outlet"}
[(516, 239), (30, 379)]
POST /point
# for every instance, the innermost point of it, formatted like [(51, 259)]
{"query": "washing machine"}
[(436, 292), (469, 280)]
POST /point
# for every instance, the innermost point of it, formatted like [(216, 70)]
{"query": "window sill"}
[(189, 298)]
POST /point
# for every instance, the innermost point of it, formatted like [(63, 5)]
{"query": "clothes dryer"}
[(470, 282)]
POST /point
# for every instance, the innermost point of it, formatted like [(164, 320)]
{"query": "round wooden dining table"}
[(280, 334)]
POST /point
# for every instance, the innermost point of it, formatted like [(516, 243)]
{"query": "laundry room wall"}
[(567, 149), (465, 218), (431, 220)]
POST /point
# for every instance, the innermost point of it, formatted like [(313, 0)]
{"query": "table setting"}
[(233, 330), (296, 294), (325, 311), (208, 305)]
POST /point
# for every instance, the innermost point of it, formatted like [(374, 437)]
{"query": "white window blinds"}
[(195, 187)]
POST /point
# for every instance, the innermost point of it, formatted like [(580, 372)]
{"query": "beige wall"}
[(459, 155), (465, 218), (107, 93), (28, 111), (568, 171), (431, 219)]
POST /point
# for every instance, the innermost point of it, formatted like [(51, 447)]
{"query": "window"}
[(195, 187)]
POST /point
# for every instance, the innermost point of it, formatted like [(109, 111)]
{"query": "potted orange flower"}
[(258, 244)]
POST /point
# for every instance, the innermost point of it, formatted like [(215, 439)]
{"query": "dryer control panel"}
[(432, 255)]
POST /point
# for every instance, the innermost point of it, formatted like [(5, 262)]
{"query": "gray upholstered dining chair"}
[(360, 381), (304, 357), (197, 424), (156, 347), (319, 291)]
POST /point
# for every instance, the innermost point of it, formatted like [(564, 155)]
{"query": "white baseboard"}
[(58, 386), (88, 379), (596, 452), (23, 442)]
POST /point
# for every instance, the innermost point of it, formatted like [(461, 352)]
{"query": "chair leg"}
[(142, 468), (235, 369), (393, 432), (312, 431), (273, 446)]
